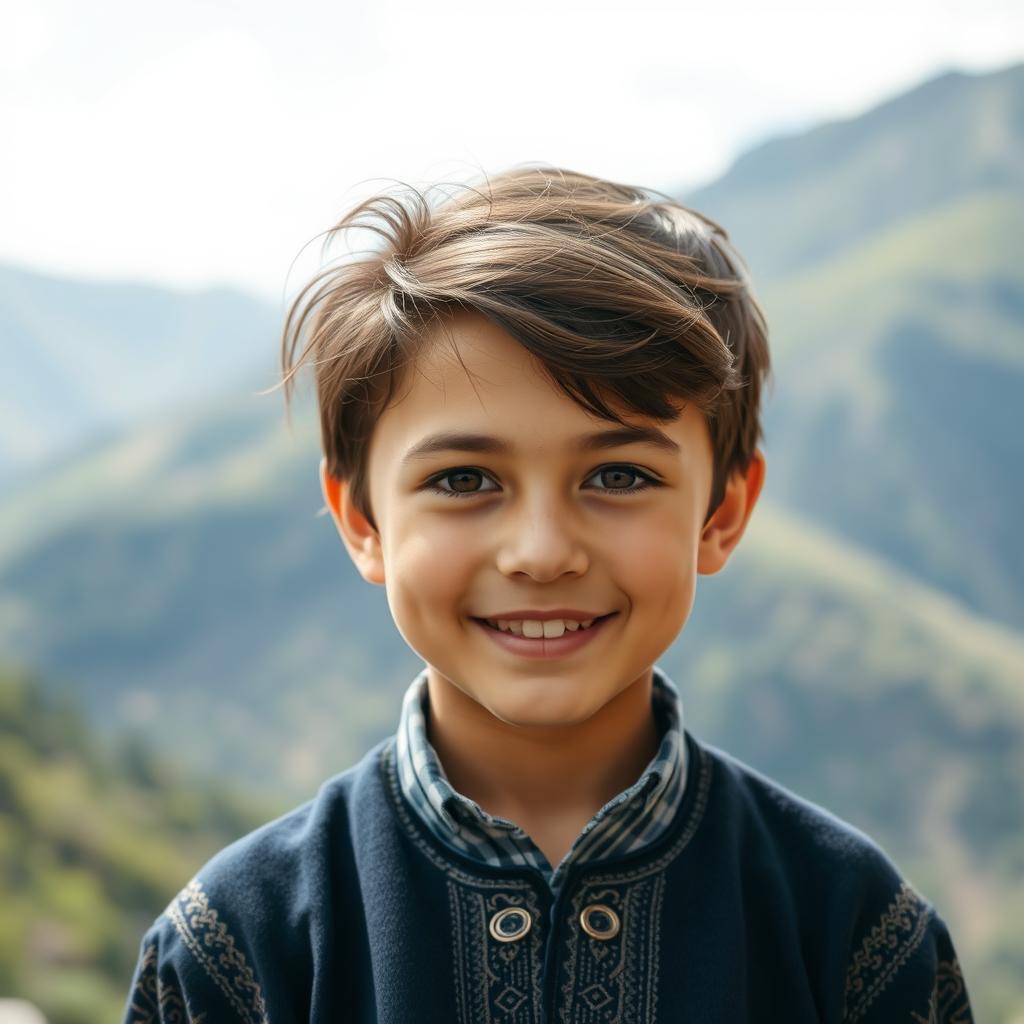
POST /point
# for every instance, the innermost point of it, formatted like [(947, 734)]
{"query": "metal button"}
[(510, 924), (600, 921)]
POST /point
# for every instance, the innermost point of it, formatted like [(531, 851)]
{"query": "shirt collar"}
[(426, 787)]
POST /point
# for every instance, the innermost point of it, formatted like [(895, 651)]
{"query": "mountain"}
[(80, 359), (795, 202), (95, 839), (192, 554), (889, 262), (902, 432)]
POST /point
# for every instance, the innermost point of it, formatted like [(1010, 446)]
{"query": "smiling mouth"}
[(484, 622)]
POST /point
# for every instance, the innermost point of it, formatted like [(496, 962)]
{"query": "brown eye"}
[(462, 480), (616, 478), (613, 476)]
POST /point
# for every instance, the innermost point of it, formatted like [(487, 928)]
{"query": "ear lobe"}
[(360, 538), (729, 521)]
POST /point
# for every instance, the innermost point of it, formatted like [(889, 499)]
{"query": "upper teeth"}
[(536, 628)]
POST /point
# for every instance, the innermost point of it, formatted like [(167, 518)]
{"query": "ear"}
[(725, 527), (361, 539)]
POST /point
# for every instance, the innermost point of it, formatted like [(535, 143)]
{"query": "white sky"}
[(208, 142)]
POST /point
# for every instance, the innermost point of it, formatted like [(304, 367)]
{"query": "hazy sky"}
[(196, 143)]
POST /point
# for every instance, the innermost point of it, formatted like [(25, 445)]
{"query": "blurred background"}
[(187, 650)]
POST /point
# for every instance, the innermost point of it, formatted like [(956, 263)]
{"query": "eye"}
[(460, 477), (624, 470), (463, 477)]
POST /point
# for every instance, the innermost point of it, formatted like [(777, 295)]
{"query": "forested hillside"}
[(95, 839)]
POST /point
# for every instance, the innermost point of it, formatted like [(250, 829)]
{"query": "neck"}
[(529, 774)]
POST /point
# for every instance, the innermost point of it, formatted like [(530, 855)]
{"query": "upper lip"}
[(555, 613)]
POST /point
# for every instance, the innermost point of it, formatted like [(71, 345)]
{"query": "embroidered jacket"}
[(751, 905), (634, 819)]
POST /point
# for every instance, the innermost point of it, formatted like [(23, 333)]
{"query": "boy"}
[(540, 410)]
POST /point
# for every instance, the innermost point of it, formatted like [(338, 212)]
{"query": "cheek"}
[(432, 566), (654, 559)]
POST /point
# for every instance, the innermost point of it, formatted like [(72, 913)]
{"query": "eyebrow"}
[(457, 442)]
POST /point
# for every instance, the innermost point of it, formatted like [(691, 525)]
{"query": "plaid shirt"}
[(628, 822)]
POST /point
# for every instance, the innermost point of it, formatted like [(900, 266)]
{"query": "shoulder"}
[(178, 978), (282, 861), (893, 953), (794, 836), (248, 916)]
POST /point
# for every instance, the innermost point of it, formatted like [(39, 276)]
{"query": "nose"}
[(543, 544)]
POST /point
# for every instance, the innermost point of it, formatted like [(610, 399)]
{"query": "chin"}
[(533, 710)]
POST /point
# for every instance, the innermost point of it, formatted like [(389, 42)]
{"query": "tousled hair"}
[(625, 296)]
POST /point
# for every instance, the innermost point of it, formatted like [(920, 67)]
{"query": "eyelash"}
[(649, 481)]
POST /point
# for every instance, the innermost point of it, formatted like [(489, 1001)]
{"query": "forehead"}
[(467, 345), (471, 375)]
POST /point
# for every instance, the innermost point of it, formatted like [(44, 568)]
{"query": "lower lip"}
[(543, 647)]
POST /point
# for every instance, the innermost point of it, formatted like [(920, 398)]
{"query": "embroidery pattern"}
[(620, 984), (209, 941), (948, 1003), (884, 950), (609, 982), (495, 982), (155, 1000), (614, 979)]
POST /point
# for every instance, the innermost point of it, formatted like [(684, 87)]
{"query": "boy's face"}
[(537, 527)]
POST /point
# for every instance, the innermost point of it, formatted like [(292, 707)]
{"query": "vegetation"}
[(94, 842)]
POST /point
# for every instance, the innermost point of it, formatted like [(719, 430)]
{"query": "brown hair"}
[(618, 295)]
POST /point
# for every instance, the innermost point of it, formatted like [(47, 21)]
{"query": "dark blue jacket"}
[(756, 905)]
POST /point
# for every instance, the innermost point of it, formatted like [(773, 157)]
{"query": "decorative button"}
[(600, 921), (510, 924)]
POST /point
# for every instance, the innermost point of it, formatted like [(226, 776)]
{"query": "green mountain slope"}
[(80, 358), (896, 415), (93, 844)]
